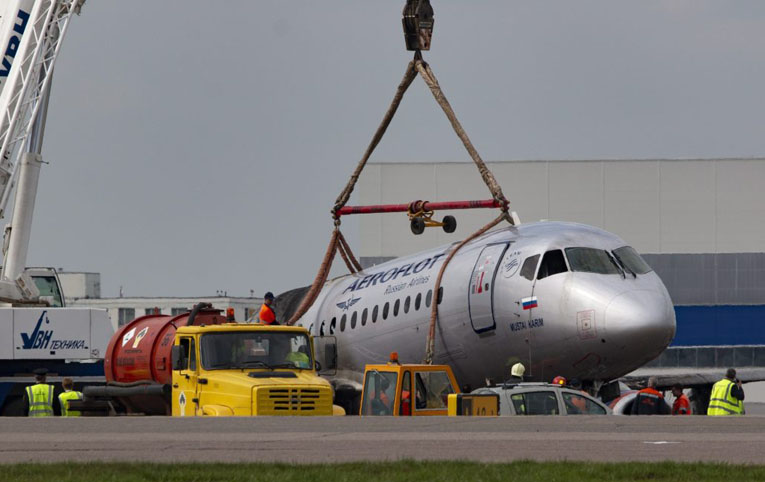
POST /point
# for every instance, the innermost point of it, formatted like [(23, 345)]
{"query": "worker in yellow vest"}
[(68, 395), (39, 396), (727, 396)]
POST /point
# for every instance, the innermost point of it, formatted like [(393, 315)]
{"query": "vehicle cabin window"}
[(379, 393), (630, 259), (364, 317), (417, 301), (428, 298), (535, 403), (406, 395), (591, 260), (241, 350), (353, 320), (407, 303), (579, 405), (185, 344), (396, 306), (374, 314), (386, 308), (530, 267), (48, 288), (342, 322), (553, 263), (192, 355), (432, 390)]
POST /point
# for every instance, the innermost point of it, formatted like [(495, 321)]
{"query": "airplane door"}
[(516, 278), (481, 288)]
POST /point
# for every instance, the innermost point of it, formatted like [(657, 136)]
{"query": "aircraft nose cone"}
[(642, 321)]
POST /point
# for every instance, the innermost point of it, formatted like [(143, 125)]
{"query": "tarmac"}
[(346, 439)]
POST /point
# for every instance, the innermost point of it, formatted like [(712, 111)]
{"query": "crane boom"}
[(33, 31)]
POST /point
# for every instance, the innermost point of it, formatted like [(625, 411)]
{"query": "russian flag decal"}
[(529, 303)]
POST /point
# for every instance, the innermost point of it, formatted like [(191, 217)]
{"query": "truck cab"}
[(246, 369), (407, 390)]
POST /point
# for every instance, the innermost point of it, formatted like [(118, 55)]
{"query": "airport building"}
[(84, 289), (699, 223)]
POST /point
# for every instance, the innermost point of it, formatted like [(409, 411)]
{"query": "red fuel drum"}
[(140, 350)]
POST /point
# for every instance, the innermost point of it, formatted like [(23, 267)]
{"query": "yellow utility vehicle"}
[(408, 389), (240, 369), (196, 363)]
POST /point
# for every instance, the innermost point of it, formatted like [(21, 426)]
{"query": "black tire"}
[(417, 225), (450, 224)]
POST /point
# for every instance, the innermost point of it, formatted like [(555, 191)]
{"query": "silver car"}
[(544, 399)]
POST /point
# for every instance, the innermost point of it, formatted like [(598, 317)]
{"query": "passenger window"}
[(374, 314), (432, 390), (417, 301), (332, 325), (406, 395), (342, 323), (386, 308), (379, 393), (552, 263), (535, 403), (440, 294), (428, 298), (364, 317), (353, 320), (407, 302), (530, 267), (395, 307), (579, 405)]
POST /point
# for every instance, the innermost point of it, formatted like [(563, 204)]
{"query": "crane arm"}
[(35, 30)]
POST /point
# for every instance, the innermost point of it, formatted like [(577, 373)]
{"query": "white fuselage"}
[(589, 325)]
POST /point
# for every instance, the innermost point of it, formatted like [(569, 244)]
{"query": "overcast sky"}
[(197, 146)]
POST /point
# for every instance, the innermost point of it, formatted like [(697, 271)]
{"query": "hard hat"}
[(559, 380), (269, 296), (518, 370)]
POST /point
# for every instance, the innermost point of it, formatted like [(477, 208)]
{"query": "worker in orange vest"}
[(681, 406), (267, 315), (650, 401)]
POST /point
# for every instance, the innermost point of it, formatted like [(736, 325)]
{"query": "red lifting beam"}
[(426, 206)]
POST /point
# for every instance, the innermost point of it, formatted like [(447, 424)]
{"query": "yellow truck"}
[(197, 364)]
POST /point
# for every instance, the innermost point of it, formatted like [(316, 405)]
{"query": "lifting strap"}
[(337, 241)]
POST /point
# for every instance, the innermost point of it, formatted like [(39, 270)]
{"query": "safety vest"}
[(40, 398), (722, 402), (64, 399), (267, 315)]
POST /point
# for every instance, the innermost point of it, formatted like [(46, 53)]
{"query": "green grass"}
[(393, 471)]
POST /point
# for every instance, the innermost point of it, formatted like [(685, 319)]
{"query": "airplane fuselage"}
[(563, 299)]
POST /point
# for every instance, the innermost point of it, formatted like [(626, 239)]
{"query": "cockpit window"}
[(552, 263), (530, 267), (591, 260), (630, 259)]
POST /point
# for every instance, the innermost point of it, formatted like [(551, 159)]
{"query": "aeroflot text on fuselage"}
[(393, 273)]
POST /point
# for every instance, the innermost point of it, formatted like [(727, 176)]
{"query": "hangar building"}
[(700, 223)]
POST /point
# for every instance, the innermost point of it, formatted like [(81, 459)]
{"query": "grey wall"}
[(658, 206)]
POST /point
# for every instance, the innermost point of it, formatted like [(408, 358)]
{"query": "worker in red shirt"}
[(650, 401), (267, 315), (681, 406)]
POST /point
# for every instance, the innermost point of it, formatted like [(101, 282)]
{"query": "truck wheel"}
[(450, 224), (417, 225)]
